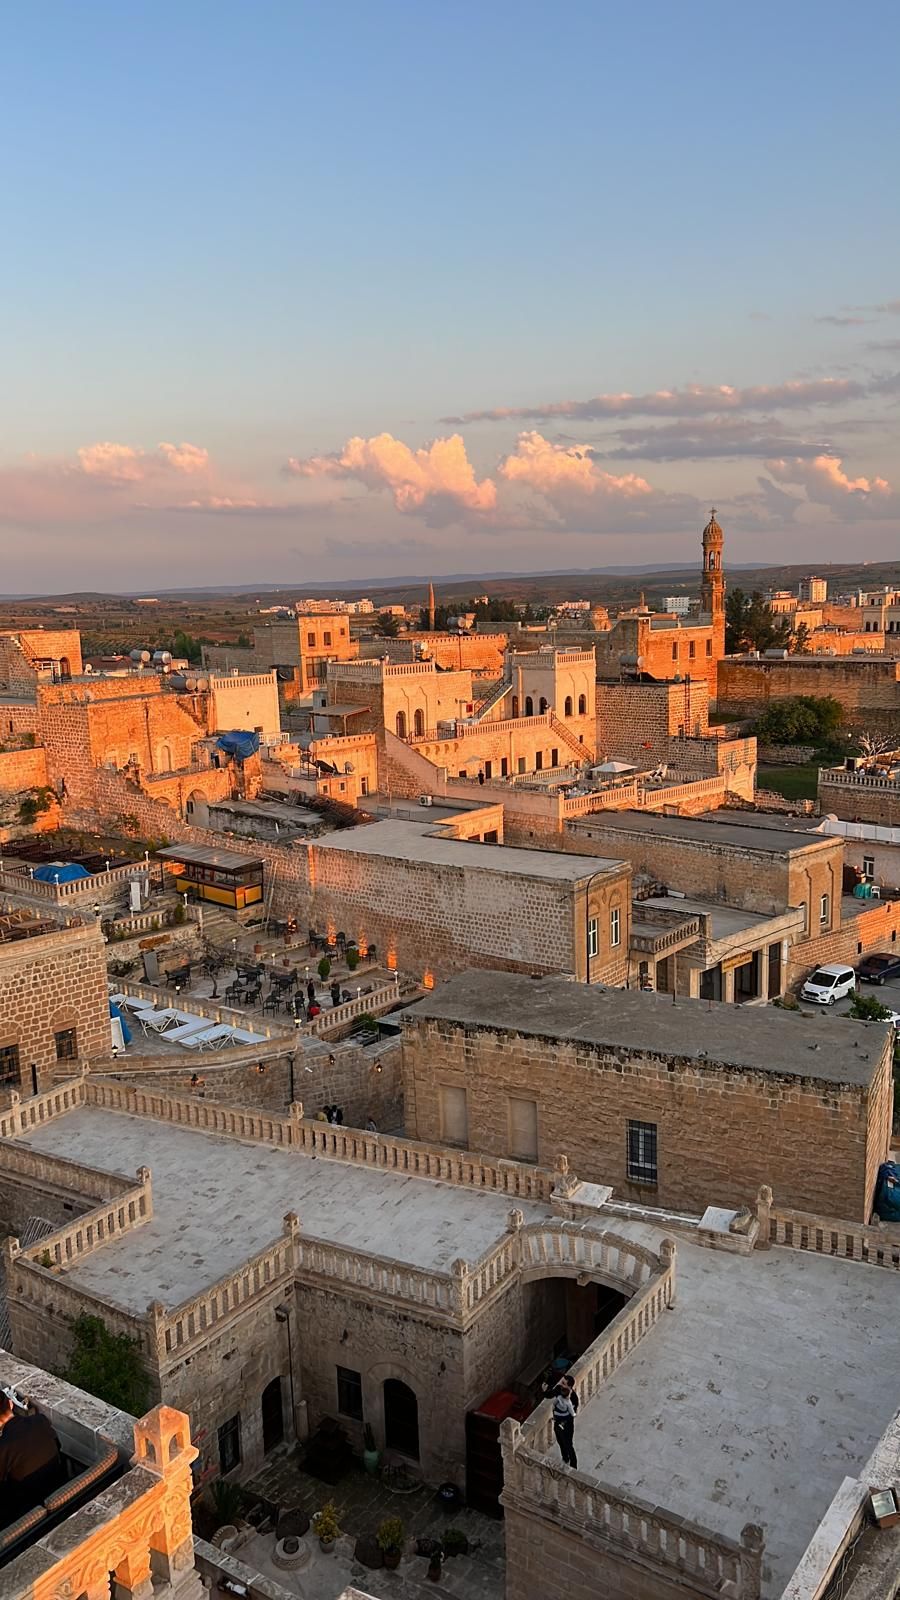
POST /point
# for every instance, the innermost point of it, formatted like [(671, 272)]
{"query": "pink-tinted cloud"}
[(561, 471), (827, 484), (124, 463), (694, 400), (417, 479)]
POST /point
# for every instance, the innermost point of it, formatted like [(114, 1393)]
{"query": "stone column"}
[(763, 1214), (728, 986), (762, 988), (132, 1579)]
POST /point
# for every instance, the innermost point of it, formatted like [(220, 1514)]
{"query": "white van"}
[(828, 984)]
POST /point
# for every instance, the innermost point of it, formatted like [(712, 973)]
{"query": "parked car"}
[(829, 983), (874, 969)]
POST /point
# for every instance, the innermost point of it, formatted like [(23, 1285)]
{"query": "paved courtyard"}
[(362, 1503)]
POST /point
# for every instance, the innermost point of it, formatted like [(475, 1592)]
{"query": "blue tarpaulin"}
[(60, 872), (239, 744), (115, 1011), (887, 1192)]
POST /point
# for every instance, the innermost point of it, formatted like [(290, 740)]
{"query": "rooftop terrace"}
[(698, 830), (414, 841), (239, 1194), (759, 1040)]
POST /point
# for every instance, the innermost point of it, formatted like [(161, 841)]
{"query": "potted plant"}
[(371, 1453), (455, 1543), (391, 1538), (435, 1564), (352, 957), (324, 968), (327, 1526)]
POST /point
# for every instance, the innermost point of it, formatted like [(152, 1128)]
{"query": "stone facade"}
[(860, 796), (29, 656), (53, 986), (581, 1094), (868, 687)]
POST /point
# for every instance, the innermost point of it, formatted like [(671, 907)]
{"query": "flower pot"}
[(371, 1459), (392, 1559), (326, 1546), (434, 1571)]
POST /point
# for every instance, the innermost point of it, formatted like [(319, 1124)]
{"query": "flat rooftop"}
[(197, 855), (697, 830), (755, 1039), (754, 1398), (415, 841), (239, 1194), (726, 922)]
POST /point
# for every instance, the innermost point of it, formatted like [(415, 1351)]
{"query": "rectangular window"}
[(363, 785), (869, 866), (554, 758), (9, 1065), (824, 910), (454, 1114), (349, 1393), (593, 938), (692, 650), (504, 767), (674, 652), (539, 761), (230, 1444), (523, 1130), (66, 1044), (521, 763), (311, 641), (709, 647), (615, 926), (641, 1152), (327, 638)]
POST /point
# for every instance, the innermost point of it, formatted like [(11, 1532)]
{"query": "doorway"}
[(272, 1416), (401, 1418)]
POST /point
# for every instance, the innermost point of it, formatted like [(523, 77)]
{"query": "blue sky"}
[(283, 242)]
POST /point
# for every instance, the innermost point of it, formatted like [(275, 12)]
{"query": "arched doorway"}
[(543, 706), (529, 706), (568, 706), (419, 724), (515, 706), (401, 724), (401, 1418), (65, 668), (272, 1415)]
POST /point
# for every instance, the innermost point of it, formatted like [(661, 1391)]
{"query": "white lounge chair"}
[(158, 1021), (184, 1030), (206, 1038)]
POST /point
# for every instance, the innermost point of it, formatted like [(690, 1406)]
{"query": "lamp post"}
[(600, 873)]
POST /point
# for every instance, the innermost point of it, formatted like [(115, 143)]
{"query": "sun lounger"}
[(158, 1021), (206, 1038), (184, 1030)]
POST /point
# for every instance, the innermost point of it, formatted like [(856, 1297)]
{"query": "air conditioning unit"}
[(426, 800)]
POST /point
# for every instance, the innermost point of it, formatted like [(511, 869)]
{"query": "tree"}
[(865, 1008), (108, 1365), (801, 719), (750, 624), (799, 645), (388, 626), (184, 645)]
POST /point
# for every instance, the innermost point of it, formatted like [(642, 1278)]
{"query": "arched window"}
[(419, 724), (582, 705), (515, 709), (568, 708), (165, 758), (543, 706), (529, 706), (401, 724)]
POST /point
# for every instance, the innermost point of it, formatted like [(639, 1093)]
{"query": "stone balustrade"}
[(517, 1179), (378, 999), (827, 1236), (75, 1240), (838, 778), (176, 1000), (347, 1269), (23, 1115), (19, 881), (615, 796), (179, 1330), (72, 1177)]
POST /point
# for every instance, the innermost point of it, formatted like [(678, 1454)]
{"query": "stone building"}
[(54, 1003), (416, 1281), (863, 793), (298, 649), (669, 1104), (29, 656), (868, 687), (121, 1522)]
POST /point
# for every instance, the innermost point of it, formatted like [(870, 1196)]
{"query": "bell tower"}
[(712, 592)]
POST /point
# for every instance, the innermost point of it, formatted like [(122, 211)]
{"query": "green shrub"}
[(353, 958), (108, 1365), (391, 1535), (324, 968)]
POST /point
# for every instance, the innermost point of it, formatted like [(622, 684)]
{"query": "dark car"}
[(876, 968)]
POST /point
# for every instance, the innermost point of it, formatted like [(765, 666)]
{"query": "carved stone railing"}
[(71, 1178), (348, 1270), (184, 1327), (378, 999), (825, 1236), (517, 1179), (23, 1115), (75, 1240)]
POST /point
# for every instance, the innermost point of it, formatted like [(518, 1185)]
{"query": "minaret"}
[(712, 592), (431, 607)]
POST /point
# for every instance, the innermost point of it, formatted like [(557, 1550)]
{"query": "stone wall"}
[(22, 769), (585, 1095), (543, 1558), (876, 926), (860, 797), (867, 687), (49, 983)]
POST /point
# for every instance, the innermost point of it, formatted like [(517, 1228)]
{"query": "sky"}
[(300, 292)]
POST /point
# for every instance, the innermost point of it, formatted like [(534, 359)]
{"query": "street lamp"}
[(600, 873)]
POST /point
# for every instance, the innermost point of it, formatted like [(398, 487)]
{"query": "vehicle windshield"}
[(877, 961), (823, 980)]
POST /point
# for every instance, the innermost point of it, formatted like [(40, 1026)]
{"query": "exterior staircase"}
[(584, 753), (495, 694)]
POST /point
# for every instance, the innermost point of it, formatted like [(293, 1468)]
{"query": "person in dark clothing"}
[(30, 1462), (335, 993), (564, 1405), (310, 991)]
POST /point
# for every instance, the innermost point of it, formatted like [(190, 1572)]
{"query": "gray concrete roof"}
[(201, 855), (726, 922), (697, 830), (752, 1039), (771, 1380), (239, 1194), (416, 841)]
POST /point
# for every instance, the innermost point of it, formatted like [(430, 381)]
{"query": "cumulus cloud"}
[(827, 484), (124, 463), (438, 477), (837, 321), (695, 400), (556, 470)]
